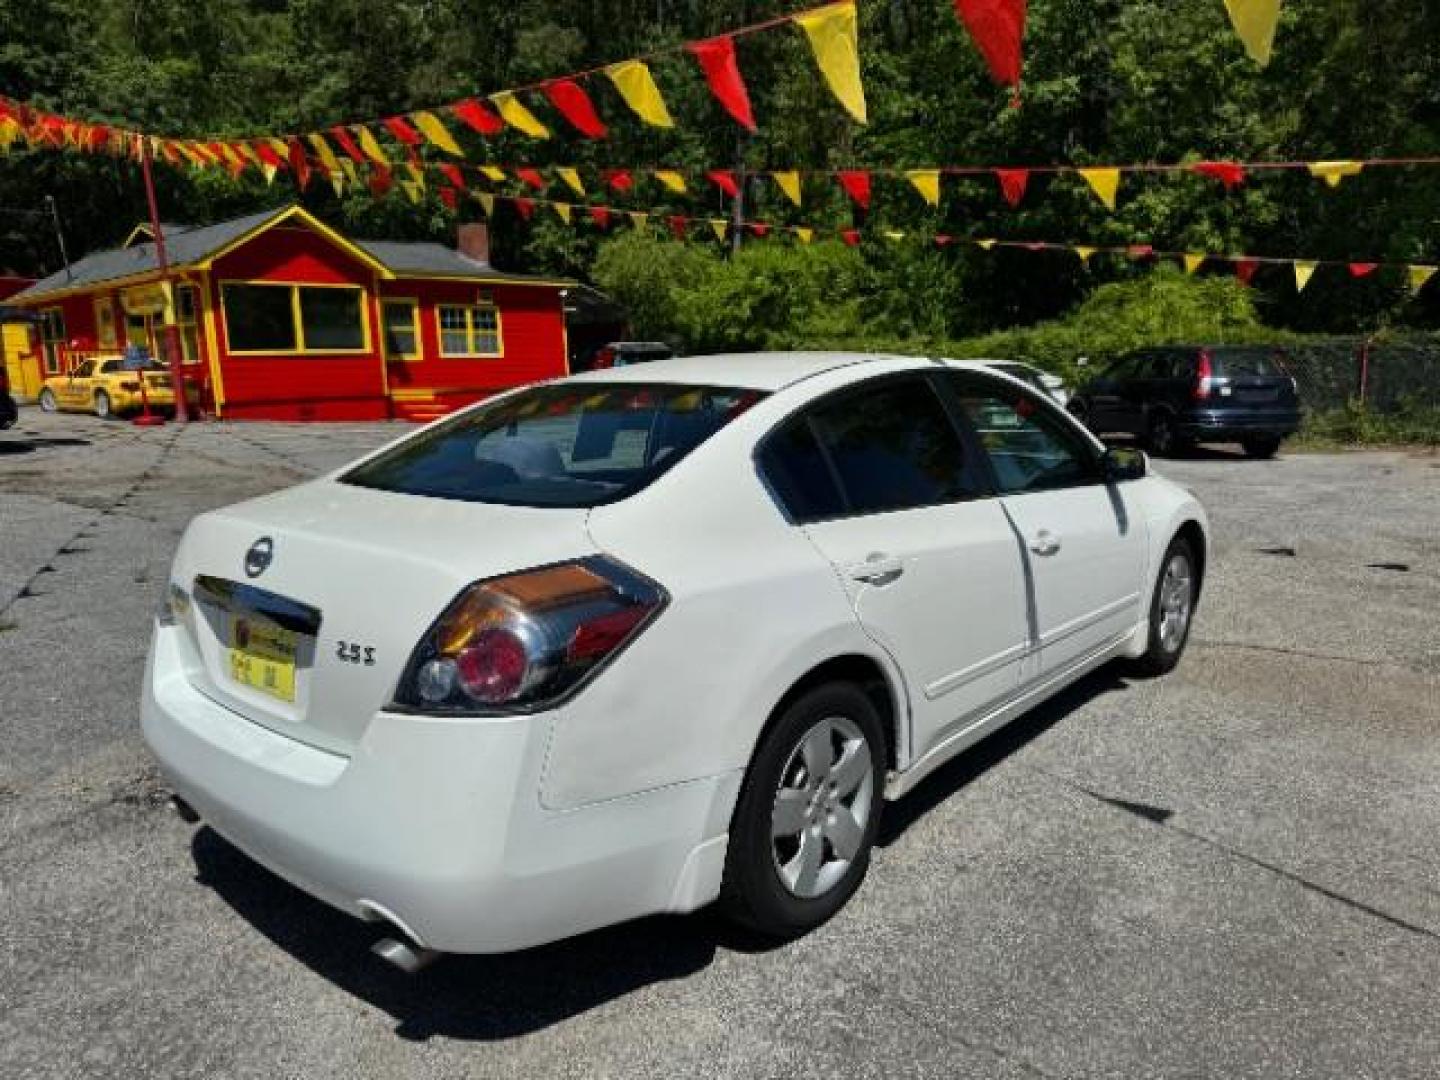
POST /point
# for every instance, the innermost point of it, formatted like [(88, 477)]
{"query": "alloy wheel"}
[(1177, 595), (822, 806)]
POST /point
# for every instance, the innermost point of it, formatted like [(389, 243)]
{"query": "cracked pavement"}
[(1231, 872)]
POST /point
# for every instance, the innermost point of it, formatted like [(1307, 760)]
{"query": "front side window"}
[(469, 329), (573, 445), (262, 318), (1030, 446), (83, 370), (870, 449)]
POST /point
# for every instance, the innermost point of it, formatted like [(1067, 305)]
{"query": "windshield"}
[(572, 445)]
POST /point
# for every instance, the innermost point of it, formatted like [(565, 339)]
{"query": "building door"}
[(52, 340)]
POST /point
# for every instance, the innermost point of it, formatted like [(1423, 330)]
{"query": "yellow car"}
[(106, 387)]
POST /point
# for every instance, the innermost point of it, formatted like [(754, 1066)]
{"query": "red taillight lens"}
[(1204, 375), (525, 640)]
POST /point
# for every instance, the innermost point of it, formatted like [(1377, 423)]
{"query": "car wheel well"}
[(1193, 535), (859, 670)]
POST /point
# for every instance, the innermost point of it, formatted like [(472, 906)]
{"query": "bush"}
[(1410, 422)]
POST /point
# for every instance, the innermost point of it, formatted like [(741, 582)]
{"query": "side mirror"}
[(1124, 463)]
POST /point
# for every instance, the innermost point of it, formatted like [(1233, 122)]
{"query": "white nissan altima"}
[(640, 639)]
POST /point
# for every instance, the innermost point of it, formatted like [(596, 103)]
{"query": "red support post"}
[(172, 331)]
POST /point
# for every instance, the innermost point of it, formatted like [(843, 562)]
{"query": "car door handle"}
[(877, 570), (1045, 543)]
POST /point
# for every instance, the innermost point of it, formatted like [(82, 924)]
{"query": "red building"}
[(282, 318)]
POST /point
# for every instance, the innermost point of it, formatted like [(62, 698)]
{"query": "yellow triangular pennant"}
[(269, 171), (1332, 172), (1304, 271), (789, 183), (1419, 274), (368, 144), (1254, 22), (1105, 183), (518, 116), (487, 202), (337, 181), (893, 234), (672, 180), (927, 183), (417, 175), (1192, 262), (562, 211), (803, 234), (493, 173), (632, 78), (720, 226), (834, 39), (986, 244), (1084, 253), (572, 179), (324, 153), (352, 175), (431, 127), (415, 191), (638, 218)]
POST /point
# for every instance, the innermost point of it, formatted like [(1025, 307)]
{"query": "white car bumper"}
[(435, 824)]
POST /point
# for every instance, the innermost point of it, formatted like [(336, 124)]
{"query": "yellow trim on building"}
[(301, 214), (470, 332), (212, 344), (299, 324), (402, 358)]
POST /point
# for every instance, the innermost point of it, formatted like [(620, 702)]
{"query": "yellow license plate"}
[(262, 656)]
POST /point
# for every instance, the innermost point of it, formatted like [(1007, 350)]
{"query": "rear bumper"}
[(1230, 424), (435, 825)]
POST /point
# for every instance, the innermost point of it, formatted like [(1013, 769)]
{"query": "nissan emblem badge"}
[(257, 559)]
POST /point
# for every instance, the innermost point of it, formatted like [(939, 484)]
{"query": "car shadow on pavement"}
[(30, 445), (481, 998), (959, 771), (489, 998)]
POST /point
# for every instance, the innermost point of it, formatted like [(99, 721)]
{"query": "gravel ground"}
[(1230, 872)]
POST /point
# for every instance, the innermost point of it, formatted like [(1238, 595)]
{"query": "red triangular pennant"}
[(402, 130), (1012, 184), (998, 28), (525, 207), (677, 226), (856, 183), (619, 179), (450, 197), (725, 180), (380, 180), (454, 174), (1245, 269), (601, 216), (343, 138), (851, 237), (1229, 173), (1359, 269), (531, 178), (478, 117), (722, 72), (759, 229), (575, 105), (299, 163)]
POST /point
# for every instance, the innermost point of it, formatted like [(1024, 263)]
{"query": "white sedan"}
[(642, 639)]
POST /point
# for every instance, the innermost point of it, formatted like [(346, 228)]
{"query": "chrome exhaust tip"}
[(411, 959), (183, 810)]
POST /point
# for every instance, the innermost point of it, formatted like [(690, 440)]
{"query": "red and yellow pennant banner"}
[(1415, 276), (831, 31)]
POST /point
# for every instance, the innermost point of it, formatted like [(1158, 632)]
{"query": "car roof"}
[(750, 371)]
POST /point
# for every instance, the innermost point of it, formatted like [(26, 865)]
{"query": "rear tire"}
[(102, 405), (47, 401), (807, 815), (1261, 446), (1172, 609), (1162, 438)]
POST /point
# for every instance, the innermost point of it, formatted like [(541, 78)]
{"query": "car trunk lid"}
[(307, 604)]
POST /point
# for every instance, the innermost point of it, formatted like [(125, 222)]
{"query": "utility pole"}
[(172, 331), (59, 233)]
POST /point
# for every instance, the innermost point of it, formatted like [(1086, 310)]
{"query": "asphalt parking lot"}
[(1230, 872)]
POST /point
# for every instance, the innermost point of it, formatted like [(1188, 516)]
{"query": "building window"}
[(469, 330), (105, 323), (52, 338), (402, 329), (294, 318), (187, 320)]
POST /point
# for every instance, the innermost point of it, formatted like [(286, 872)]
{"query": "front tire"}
[(807, 815), (1172, 609), (47, 401)]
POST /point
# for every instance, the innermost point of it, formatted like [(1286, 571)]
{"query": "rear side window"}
[(571, 445), (884, 447)]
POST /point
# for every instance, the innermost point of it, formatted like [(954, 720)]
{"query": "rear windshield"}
[(571, 445), (1232, 362)]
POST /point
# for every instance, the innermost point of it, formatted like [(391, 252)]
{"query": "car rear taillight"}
[(526, 640), (1204, 373)]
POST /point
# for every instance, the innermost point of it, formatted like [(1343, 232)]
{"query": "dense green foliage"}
[(1106, 81)]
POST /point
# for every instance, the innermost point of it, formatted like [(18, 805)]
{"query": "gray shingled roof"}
[(197, 244), (188, 246)]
